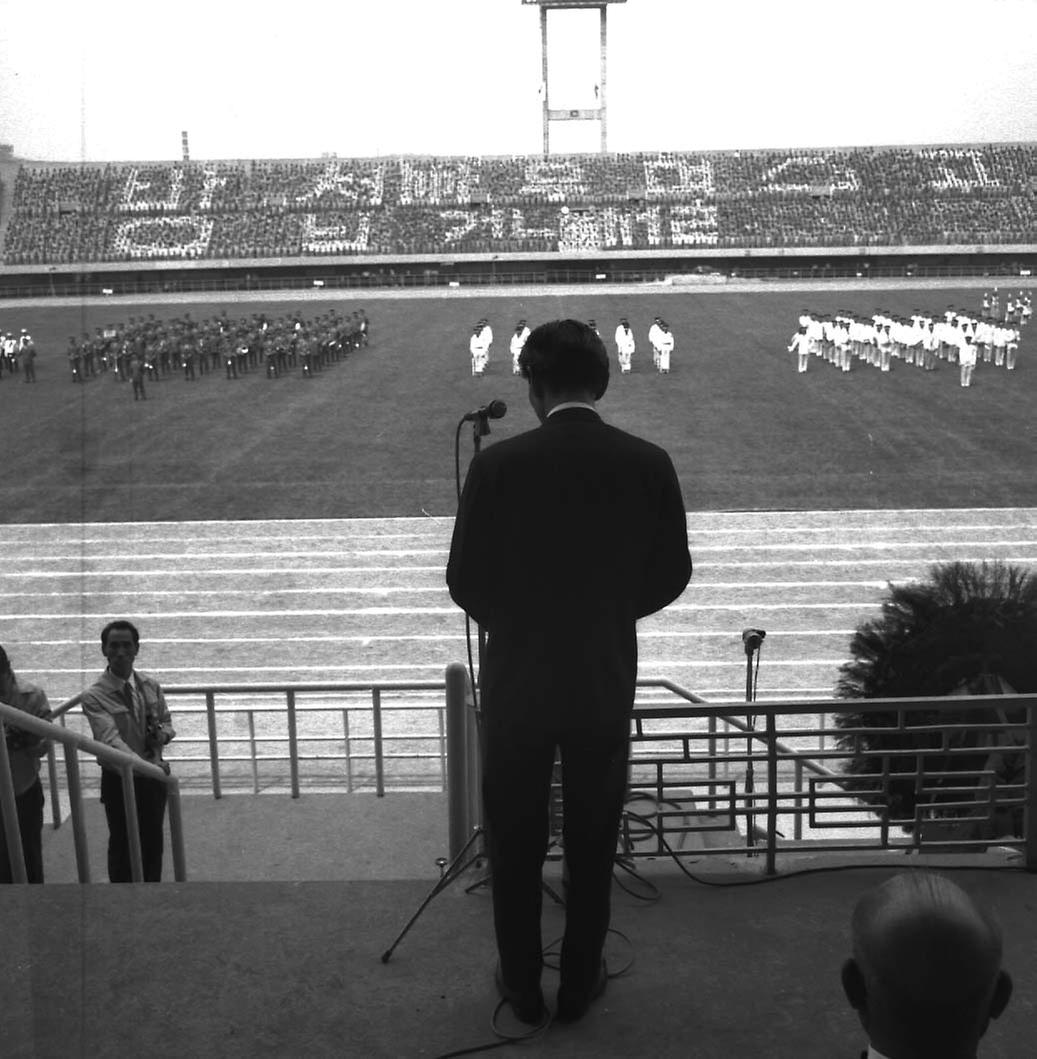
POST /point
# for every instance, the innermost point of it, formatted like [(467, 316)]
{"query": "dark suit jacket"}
[(566, 535)]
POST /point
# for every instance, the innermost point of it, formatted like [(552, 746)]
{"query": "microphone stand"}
[(751, 640), (480, 428), (466, 857)]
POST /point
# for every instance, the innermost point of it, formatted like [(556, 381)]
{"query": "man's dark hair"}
[(565, 355), (121, 625), (5, 662)]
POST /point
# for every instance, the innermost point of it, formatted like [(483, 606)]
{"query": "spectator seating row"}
[(868, 197)]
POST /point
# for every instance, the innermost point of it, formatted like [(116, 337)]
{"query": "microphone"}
[(494, 410), (752, 639)]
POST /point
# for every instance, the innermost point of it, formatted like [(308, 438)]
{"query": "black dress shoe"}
[(528, 1007), (573, 1004)]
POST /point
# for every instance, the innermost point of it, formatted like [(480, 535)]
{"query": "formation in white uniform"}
[(660, 338), (920, 340)]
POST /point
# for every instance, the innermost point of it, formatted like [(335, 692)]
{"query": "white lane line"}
[(408, 590), (366, 667), (235, 571), (857, 546), (183, 641), (691, 608), (323, 571), (878, 518)]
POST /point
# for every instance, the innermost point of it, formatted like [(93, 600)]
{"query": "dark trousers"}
[(151, 811), (30, 826), (518, 760)]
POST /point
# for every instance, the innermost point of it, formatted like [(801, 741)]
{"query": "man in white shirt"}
[(665, 347), (984, 338), (815, 335), (999, 341), (1011, 347), (800, 347), (841, 342), (654, 333), (966, 357), (486, 334), (518, 340), (884, 342), (9, 350), (477, 348), (624, 345), (930, 345)]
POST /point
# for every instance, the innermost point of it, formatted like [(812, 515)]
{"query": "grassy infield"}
[(373, 436)]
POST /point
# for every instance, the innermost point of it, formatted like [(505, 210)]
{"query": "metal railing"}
[(696, 762), (256, 735), (697, 792), (127, 765)]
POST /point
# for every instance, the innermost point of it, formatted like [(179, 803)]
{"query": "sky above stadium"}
[(114, 80)]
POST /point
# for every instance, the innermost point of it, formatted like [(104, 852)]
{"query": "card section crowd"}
[(69, 213)]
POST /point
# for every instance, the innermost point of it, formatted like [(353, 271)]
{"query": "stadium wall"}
[(510, 269)]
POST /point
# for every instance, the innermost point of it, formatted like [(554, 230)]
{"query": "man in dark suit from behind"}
[(566, 535), (925, 977)]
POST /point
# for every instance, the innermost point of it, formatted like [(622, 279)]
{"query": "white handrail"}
[(118, 760)]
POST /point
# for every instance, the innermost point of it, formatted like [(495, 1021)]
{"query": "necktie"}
[(127, 697)]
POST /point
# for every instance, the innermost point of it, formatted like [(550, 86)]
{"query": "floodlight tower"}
[(597, 113)]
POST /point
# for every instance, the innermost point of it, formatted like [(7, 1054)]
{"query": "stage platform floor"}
[(291, 966)]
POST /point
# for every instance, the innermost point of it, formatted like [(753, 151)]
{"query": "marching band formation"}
[(148, 349), (18, 355), (955, 336)]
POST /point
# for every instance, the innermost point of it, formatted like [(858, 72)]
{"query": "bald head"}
[(925, 975)]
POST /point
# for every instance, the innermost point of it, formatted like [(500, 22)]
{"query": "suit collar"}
[(573, 413), (565, 405)]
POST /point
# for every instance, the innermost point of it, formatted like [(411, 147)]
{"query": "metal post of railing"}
[(379, 765), (176, 832), (129, 798), (214, 754), (252, 750), (52, 780), (711, 722), (441, 717), (293, 742), (772, 791), (798, 824), (1030, 810), (9, 813), (75, 808), (457, 756), (349, 754)]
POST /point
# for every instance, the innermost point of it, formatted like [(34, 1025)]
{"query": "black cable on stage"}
[(813, 871)]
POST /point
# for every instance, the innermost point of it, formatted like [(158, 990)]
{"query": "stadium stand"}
[(390, 206)]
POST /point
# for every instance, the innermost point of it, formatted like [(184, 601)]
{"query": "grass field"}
[(373, 436)]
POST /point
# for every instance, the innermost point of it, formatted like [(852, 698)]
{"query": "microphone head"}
[(496, 409)]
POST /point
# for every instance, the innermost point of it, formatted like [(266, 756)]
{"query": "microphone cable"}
[(467, 616)]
